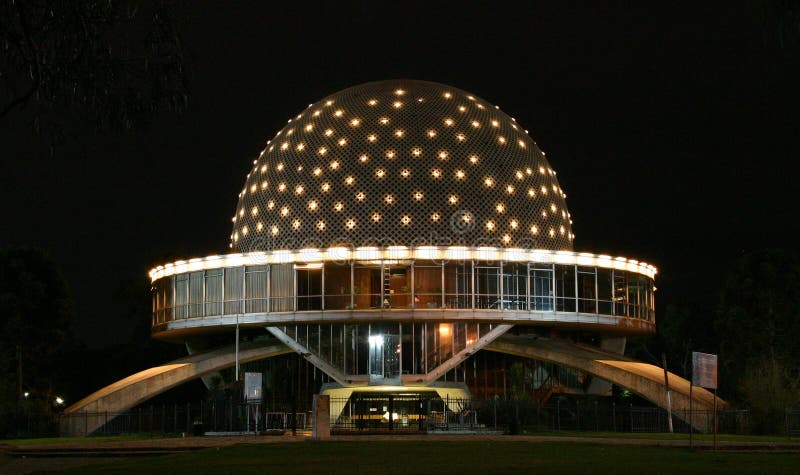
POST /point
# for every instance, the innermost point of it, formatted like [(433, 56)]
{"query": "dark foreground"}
[(420, 455)]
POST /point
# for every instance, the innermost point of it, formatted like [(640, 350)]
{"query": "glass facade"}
[(386, 350), (420, 285)]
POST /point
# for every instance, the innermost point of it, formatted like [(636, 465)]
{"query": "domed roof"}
[(401, 162)]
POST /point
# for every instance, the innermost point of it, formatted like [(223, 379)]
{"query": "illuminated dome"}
[(401, 162)]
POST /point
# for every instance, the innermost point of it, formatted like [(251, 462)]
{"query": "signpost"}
[(704, 374), (252, 395)]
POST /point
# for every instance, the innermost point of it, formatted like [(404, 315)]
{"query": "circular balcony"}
[(560, 289)]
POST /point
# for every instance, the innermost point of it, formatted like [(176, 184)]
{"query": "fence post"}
[(558, 414), (391, 412), (596, 421), (614, 415)]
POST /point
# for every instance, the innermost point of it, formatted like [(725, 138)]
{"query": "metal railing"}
[(397, 414)]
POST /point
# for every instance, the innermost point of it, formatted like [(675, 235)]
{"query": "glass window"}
[(181, 296), (234, 282), (487, 287), (398, 292), (620, 293), (337, 286), (196, 281), (514, 286), (367, 287), (586, 290), (565, 288), (309, 289), (281, 288), (458, 284), (427, 284), (605, 284), (256, 286), (541, 282), (214, 291)]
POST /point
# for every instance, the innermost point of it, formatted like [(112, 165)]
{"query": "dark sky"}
[(673, 131)]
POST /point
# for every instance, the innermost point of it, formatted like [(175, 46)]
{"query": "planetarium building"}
[(404, 237)]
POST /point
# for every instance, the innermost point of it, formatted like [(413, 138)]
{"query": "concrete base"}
[(321, 422)]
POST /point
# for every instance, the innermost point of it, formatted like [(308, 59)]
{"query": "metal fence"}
[(220, 416), (396, 414), (603, 416)]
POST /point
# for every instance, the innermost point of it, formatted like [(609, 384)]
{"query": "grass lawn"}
[(444, 457)]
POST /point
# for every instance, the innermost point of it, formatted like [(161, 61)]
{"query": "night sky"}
[(673, 131)]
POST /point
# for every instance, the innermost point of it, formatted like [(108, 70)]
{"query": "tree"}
[(758, 319), (109, 62), (37, 325)]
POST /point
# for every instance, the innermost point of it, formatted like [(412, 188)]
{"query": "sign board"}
[(252, 387), (704, 370)]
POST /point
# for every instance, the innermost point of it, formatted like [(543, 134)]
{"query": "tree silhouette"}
[(111, 63)]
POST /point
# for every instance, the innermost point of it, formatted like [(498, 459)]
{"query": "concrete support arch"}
[(643, 379), (91, 412)]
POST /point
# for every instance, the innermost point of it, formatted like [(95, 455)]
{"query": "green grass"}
[(445, 457)]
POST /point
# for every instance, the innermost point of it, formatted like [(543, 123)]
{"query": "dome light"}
[(360, 196), (285, 211), (312, 205), (325, 187), (373, 102), (296, 224), (338, 206), (406, 220), (384, 120), (405, 173), (452, 199), (376, 217), (339, 113), (372, 137), (363, 158), (475, 124), (490, 225), (328, 132), (431, 133), (435, 217), (418, 195)]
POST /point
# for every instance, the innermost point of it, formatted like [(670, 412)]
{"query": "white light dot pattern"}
[(371, 163)]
